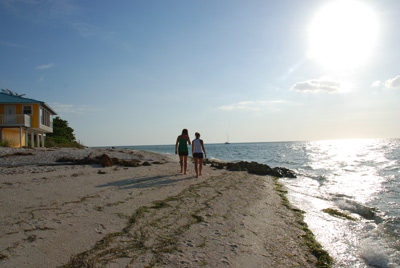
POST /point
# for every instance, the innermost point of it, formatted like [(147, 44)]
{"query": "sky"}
[(136, 72)]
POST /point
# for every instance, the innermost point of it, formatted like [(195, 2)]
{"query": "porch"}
[(16, 129), (15, 120)]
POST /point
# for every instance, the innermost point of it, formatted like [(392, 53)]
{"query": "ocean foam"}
[(375, 254)]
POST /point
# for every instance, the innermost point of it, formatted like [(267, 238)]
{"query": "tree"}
[(62, 136), (12, 93)]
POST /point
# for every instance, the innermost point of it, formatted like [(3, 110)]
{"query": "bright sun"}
[(342, 35)]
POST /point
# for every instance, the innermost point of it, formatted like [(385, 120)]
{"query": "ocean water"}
[(358, 177)]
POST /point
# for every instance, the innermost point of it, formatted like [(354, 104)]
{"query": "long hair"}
[(185, 132)]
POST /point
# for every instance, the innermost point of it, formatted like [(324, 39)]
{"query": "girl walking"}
[(181, 148), (198, 153)]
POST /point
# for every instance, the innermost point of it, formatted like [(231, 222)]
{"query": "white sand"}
[(51, 213)]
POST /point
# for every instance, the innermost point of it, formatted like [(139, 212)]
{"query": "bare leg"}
[(195, 166), (184, 164), (200, 165), (181, 162)]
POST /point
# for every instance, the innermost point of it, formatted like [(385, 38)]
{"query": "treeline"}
[(62, 136)]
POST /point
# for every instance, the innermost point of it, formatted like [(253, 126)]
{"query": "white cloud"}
[(40, 10), (71, 109), (317, 85), (377, 83), (393, 83), (46, 66), (227, 107), (250, 105), (14, 45), (91, 31)]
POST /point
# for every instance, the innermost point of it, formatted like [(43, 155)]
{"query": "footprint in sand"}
[(225, 261), (189, 243), (233, 247)]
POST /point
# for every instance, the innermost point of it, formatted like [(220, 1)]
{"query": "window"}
[(27, 109), (46, 118)]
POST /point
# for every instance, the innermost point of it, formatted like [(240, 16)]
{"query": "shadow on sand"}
[(147, 182)]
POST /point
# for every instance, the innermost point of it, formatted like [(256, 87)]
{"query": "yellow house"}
[(23, 118)]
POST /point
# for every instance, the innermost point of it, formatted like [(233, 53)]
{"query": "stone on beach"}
[(261, 169)]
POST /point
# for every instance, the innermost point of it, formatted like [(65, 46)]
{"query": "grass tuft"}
[(336, 213), (324, 260)]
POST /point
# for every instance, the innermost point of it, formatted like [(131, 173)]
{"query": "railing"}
[(46, 128), (15, 120)]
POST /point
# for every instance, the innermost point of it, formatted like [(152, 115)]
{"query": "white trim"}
[(23, 106), (20, 137)]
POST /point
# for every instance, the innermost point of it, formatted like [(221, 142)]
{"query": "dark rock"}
[(215, 163), (284, 172), (260, 169), (106, 161), (129, 163), (218, 165), (146, 164)]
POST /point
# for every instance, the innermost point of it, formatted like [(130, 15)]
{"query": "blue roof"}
[(7, 98)]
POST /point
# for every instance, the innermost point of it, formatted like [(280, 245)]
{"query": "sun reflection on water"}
[(343, 158), (351, 176)]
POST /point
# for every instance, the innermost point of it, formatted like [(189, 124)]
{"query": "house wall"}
[(12, 136), (35, 116)]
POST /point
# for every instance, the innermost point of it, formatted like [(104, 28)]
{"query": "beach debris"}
[(104, 160), (218, 164), (129, 163), (260, 169), (16, 154), (3, 256)]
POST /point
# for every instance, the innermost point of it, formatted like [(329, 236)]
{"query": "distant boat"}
[(227, 140)]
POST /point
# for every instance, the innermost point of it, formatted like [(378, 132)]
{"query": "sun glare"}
[(342, 35)]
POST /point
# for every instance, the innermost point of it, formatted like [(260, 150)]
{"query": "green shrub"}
[(6, 143), (62, 136)]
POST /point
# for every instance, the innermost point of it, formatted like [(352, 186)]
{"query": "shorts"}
[(185, 153), (198, 155)]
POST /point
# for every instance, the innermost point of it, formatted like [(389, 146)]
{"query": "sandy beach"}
[(65, 214)]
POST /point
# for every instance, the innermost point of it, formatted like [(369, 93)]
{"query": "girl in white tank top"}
[(197, 152)]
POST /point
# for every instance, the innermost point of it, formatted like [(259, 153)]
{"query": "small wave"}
[(322, 178), (319, 178), (375, 254), (337, 196), (392, 169), (364, 211), (392, 230)]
